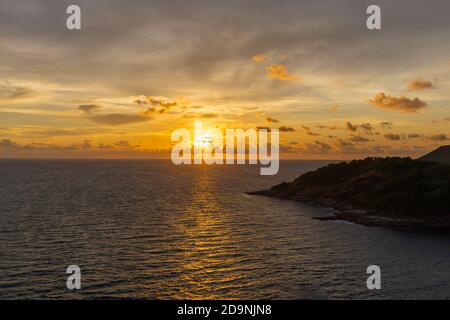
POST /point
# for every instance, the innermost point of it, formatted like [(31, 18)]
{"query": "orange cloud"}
[(417, 85), (351, 127), (88, 108), (279, 71), (392, 136), (439, 137), (270, 119), (259, 58), (286, 129), (401, 104)]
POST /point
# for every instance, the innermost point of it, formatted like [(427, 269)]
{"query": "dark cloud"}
[(286, 129), (157, 104), (116, 119), (122, 144), (401, 104), (140, 101), (317, 147), (287, 149), (439, 137), (88, 108), (270, 119), (351, 127), (392, 136), (321, 126), (413, 136), (366, 127), (417, 85), (9, 91), (200, 115), (386, 124), (163, 102), (86, 148), (345, 146), (6, 143), (359, 139)]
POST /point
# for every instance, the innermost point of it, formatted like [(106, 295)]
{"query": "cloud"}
[(312, 133), (154, 110), (392, 136), (200, 115), (157, 104), (286, 129), (259, 58), (413, 136), (88, 108), (401, 104), (386, 124), (6, 143), (85, 149), (317, 147), (439, 137), (10, 92), (322, 126), (287, 149), (359, 139), (351, 127), (269, 119), (281, 129), (279, 71), (345, 146), (367, 127), (417, 85), (116, 119), (122, 144), (162, 101)]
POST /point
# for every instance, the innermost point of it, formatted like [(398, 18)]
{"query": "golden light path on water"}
[(210, 254)]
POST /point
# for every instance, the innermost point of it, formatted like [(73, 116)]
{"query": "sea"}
[(148, 229)]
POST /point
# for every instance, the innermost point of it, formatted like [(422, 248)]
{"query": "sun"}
[(203, 141)]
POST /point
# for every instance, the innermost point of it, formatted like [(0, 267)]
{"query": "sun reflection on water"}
[(210, 253)]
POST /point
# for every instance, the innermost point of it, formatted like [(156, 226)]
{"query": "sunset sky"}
[(138, 70)]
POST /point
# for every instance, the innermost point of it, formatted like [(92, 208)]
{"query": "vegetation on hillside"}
[(392, 187)]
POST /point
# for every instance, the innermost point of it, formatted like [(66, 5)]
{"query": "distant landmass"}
[(394, 192), (441, 154)]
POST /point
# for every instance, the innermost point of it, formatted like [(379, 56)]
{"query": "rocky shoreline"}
[(365, 218), (383, 192)]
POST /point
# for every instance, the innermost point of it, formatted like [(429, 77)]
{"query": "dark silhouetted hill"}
[(377, 191), (441, 154)]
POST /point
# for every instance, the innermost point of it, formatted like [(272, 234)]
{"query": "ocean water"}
[(153, 230)]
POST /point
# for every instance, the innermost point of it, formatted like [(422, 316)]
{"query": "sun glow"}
[(203, 140)]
